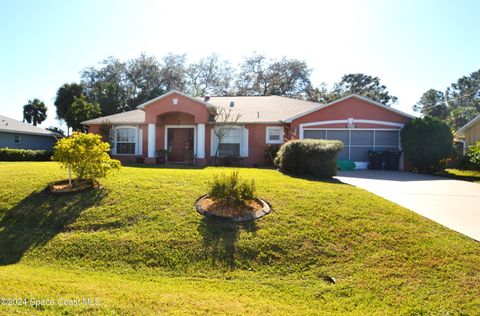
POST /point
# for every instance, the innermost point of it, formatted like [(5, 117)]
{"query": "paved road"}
[(452, 203)]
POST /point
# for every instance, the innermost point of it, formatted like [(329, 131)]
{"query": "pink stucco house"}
[(183, 125)]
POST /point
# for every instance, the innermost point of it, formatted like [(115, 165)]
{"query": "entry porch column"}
[(152, 130), (201, 141)]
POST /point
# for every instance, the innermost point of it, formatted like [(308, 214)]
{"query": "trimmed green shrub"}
[(270, 153), (473, 155), (427, 142), (309, 157), (231, 161), (231, 188), (10, 154)]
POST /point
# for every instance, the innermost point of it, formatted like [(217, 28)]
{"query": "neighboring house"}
[(179, 123), (16, 134), (469, 134)]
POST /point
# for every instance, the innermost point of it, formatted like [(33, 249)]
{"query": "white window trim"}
[(136, 140), (267, 135), (243, 140)]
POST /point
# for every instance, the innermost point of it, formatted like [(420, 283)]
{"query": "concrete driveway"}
[(452, 203)]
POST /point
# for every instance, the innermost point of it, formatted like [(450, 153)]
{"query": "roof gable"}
[(163, 96), (323, 106), (474, 121)]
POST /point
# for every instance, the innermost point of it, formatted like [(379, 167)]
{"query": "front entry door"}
[(180, 144)]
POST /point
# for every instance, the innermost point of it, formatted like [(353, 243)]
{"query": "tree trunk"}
[(70, 176)]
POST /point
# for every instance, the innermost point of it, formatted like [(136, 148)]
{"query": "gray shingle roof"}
[(129, 117), (10, 125), (252, 109), (260, 109)]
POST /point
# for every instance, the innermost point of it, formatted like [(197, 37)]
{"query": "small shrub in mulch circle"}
[(231, 197)]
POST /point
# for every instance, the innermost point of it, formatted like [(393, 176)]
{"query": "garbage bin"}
[(392, 159), (375, 159)]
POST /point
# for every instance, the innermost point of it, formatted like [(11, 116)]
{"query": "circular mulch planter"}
[(62, 187), (254, 209)]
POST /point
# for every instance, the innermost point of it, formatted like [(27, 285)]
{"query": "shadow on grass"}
[(220, 238), (163, 166), (312, 178), (38, 218)]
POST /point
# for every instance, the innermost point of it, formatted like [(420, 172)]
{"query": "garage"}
[(360, 123), (357, 142)]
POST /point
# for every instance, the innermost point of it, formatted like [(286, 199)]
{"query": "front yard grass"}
[(467, 175), (140, 247)]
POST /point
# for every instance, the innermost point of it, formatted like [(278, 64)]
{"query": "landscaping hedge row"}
[(10, 154), (309, 157)]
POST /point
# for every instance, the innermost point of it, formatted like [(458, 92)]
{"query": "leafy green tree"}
[(121, 86), (209, 76), (173, 72), (63, 102), (459, 104), (57, 130), (364, 85), (34, 112), (426, 142), (259, 76), (143, 80), (465, 92), (358, 83), (432, 103), (86, 155), (461, 115), (82, 110), (107, 86), (318, 94)]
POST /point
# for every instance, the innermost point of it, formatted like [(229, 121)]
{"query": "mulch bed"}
[(252, 209), (62, 187)]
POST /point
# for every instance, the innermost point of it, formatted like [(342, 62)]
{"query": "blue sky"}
[(411, 45)]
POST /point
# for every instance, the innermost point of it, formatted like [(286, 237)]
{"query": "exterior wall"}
[(189, 112), (94, 129), (27, 141), (472, 134), (256, 144)]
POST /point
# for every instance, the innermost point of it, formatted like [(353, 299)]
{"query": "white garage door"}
[(357, 142)]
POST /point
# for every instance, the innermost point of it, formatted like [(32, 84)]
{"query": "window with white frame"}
[(16, 139), (230, 143), (274, 135), (126, 140)]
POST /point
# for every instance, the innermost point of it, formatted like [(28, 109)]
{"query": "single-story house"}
[(469, 133), (16, 134), (180, 124)]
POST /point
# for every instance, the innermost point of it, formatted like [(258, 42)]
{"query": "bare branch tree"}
[(225, 121)]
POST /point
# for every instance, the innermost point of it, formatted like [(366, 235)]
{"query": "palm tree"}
[(34, 112)]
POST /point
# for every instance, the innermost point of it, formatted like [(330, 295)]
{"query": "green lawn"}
[(139, 247), (467, 175)]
